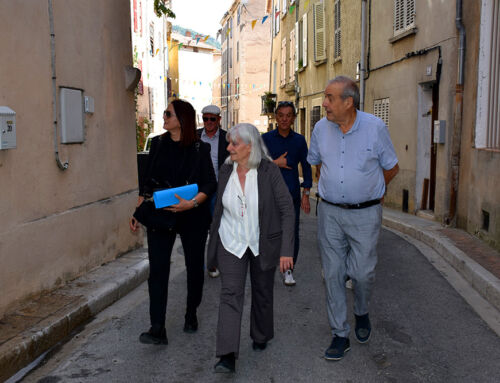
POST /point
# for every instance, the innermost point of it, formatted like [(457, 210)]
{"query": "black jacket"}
[(170, 165), (223, 153)]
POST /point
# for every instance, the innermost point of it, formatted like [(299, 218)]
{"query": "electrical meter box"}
[(7, 128), (439, 131)]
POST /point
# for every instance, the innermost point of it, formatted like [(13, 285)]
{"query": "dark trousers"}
[(296, 205), (233, 273), (160, 244)]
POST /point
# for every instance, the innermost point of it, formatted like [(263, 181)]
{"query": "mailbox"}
[(7, 128), (439, 131)]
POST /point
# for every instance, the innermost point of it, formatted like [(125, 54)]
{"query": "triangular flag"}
[(180, 45), (206, 38), (253, 23), (306, 4), (264, 18), (228, 30), (198, 40), (277, 13), (292, 8)]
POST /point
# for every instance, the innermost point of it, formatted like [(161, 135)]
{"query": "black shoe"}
[(338, 348), (226, 364), (190, 323), (363, 328), (259, 346), (154, 337)]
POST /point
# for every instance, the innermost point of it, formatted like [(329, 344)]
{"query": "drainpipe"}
[(457, 128), (362, 67), (62, 166)]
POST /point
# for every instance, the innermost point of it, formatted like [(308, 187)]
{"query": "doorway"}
[(425, 187)]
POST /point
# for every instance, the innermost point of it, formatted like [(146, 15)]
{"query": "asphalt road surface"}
[(423, 331)]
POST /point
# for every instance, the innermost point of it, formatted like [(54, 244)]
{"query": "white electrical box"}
[(89, 104), (72, 116), (7, 128), (439, 131)]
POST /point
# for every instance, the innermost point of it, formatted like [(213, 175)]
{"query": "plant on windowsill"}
[(268, 103)]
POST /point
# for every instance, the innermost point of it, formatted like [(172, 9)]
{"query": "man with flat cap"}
[(212, 134)]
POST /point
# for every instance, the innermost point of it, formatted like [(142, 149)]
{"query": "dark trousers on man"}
[(160, 244), (296, 205), (233, 277)]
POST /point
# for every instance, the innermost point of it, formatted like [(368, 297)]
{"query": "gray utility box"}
[(7, 128)]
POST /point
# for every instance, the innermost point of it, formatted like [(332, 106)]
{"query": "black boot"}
[(226, 364), (155, 335), (190, 322)]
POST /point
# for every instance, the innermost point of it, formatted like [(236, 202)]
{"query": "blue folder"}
[(164, 198)]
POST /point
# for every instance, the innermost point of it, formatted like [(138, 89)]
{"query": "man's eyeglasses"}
[(213, 119), (167, 114)]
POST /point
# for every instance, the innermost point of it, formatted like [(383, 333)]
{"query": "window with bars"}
[(319, 32), (315, 116), (488, 88), (381, 110), (404, 15), (337, 32)]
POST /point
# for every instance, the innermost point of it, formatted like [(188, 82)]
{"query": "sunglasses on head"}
[(167, 114), (285, 103), (213, 119)]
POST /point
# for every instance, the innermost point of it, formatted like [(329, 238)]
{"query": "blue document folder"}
[(164, 198)]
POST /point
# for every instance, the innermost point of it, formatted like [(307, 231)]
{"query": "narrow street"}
[(424, 331)]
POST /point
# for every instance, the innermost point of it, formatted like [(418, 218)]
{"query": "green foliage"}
[(142, 129), (162, 10)]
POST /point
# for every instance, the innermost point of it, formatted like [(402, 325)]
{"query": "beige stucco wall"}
[(55, 225), (479, 168)]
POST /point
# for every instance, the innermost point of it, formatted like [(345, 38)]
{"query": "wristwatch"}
[(307, 192), (196, 204)]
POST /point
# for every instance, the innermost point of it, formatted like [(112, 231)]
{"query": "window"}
[(404, 15), (230, 28), (275, 67), (237, 51), (336, 21), (283, 62), (381, 109), (230, 53), (301, 33), (276, 17), (238, 16), (152, 39), (319, 32), (315, 116), (488, 102), (292, 58), (237, 87), (284, 7)]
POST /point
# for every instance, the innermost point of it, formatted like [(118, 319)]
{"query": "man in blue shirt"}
[(357, 161), (288, 149)]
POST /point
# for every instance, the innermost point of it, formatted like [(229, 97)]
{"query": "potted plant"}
[(268, 102)]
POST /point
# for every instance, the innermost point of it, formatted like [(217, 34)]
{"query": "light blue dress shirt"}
[(352, 163), (214, 149)]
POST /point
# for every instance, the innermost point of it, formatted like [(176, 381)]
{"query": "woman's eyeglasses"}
[(167, 114), (213, 119)]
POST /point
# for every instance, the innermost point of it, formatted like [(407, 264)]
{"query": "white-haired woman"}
[(253, 224)]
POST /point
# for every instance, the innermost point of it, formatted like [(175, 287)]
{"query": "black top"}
[(172, 165)]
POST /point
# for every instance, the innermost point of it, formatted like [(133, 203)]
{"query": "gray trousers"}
[(348, 243), (233, 272)]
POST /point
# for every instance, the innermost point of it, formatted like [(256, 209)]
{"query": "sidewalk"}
[(39, 325)]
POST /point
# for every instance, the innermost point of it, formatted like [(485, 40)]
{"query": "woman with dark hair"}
[(177, 158)]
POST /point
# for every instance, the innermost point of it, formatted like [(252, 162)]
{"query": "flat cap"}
[(211, 109)]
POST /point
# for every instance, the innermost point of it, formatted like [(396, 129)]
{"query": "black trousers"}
[(160, 244), (233, 273)]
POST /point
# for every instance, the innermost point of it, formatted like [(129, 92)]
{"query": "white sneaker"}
[(288, 276), (213, 273), (348, 284)]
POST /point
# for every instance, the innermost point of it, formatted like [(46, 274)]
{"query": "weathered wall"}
[(55, 225)]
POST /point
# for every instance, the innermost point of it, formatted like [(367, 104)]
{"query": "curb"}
[(92, 293), (485, 283)]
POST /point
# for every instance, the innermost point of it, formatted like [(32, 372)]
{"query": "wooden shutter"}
[(319, 32), (283, 62), (304, 40), (337, 43), (297, 36), (291, 59)]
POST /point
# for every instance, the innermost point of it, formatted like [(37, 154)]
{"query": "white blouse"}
[(239, 226)]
